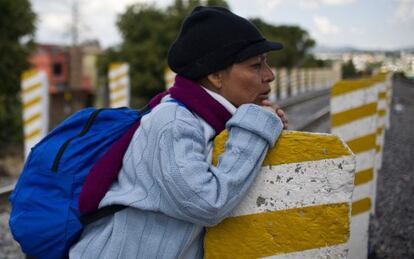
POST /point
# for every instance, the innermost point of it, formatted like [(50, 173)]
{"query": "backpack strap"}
[(101, 213)]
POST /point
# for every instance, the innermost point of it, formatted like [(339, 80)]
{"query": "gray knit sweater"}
[(171, 186)]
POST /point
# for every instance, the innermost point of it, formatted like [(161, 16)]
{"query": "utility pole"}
[(75, 52)]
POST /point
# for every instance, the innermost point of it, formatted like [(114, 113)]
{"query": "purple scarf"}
[(105, 171)]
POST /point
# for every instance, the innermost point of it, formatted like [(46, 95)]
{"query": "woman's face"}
[(247, 82)]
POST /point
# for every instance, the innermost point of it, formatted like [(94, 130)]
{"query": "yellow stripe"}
[(118, 99), (361, 206), (378, 148), (118, 77), (382, 95), (278, 232), (380, 130), (32, 118), (28, 74), (347, 86), (35, 133), (294, 147), (350, 115), (32, 102), (363, 144), (364, 176), (31, 88), (118, 88), (115, 66), (381, 113)]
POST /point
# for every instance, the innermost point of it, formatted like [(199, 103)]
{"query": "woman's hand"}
[(276, 109)]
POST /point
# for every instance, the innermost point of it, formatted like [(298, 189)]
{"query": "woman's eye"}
[(258, 65)]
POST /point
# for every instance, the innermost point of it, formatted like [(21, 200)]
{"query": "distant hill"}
[(348, 49)]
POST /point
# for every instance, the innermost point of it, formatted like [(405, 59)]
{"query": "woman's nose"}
[(268, 75)]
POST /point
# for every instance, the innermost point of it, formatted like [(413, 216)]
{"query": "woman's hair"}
[(213, 38)]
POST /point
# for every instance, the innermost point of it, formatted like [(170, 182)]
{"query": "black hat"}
[(213, 38)]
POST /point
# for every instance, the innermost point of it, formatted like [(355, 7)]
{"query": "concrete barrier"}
[(119, 85), (298, 206), (354, 118), (35, 102), (389, 99), (382, 117), (273, 88), (283, 83), (294, 81)]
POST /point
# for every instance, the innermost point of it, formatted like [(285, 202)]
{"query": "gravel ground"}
[(392, 228)]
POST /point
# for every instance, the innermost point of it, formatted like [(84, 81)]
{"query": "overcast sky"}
[(368, 24)]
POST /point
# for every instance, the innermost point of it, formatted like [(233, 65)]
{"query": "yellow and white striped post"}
[(389, 99), (383, 115), (294, 82), (302, 83), (119, 85), (354, 118), (169, 77), (298, 206), (35, 101), (283, 83), (273, 88)]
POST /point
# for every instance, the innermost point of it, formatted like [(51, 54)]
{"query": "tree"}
[(295, 40), (16, 41), (148, 31), (349, 70)]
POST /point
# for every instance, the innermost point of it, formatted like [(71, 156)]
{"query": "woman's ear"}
[(215, 80)]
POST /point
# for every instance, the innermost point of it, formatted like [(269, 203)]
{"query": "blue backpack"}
[(45, 218)]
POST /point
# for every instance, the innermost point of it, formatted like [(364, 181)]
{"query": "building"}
[(72, 76)]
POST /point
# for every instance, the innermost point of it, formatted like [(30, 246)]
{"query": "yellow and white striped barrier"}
[(273, 87), (35, 101), (298, 206), (354, 118), (294, 82), (302, 84), (119, 85), (169, 77), (283, 83), (382, 121), (389, 99), (382, 117)]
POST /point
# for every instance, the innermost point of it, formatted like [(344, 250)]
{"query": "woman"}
[(167, 180)]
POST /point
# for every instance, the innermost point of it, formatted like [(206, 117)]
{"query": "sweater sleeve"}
[(198, 192)]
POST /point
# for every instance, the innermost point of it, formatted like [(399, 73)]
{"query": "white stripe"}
[(27, 113), (362, 191), (381, 121), (381, 87), (337, 251), (35, 125), (118, 71), (356, 129), (120, 103), (358, 241), (353, 99), (365, 160), (32, 94), (299, 184), (114, 95), (382, 104), (32, 81), (122, 81)]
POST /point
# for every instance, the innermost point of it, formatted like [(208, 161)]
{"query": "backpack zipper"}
[(84, 130)]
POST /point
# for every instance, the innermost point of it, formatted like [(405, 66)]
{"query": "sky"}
[(364, 24)]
